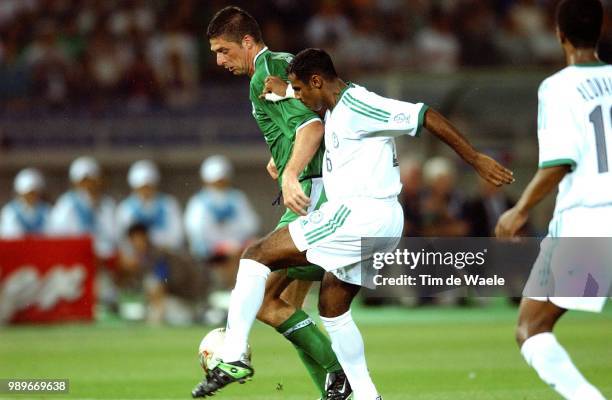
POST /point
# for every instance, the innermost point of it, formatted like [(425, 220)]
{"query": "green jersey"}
[(279, 121)]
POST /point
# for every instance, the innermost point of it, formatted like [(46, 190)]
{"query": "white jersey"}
[(575, 128), (73, 215), (162, 216), (360, 158), (18, 219), (217, 219)]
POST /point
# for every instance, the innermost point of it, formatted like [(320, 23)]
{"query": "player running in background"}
[(361, 177), (293, 134), (574, 134)]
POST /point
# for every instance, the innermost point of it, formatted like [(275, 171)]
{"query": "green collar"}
[(591, 64)]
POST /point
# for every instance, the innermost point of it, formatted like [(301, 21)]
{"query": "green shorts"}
[(314, 189)]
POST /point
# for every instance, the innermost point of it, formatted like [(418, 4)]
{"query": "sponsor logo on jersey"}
[(401, 118), (316, 217)]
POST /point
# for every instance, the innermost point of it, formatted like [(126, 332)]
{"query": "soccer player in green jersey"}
[(294, 135)]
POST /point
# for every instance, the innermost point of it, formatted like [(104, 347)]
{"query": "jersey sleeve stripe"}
[(364, 109), (365, 113), (421, 120), (558, 162), (361, 104)]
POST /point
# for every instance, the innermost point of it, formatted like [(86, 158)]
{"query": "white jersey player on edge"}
[(575, 139)]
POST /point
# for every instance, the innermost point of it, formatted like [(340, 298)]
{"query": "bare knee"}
[(536, 318), (254, 252), (335, 297), (329, 308)]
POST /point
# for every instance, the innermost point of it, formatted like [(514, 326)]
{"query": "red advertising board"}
[(46, 280)]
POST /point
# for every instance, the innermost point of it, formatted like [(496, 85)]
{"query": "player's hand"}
[(492, 171), (510, 223), (274, 84), (294, 197), (271, 167)]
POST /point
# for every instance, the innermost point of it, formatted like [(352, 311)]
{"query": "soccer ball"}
[(210, 345)]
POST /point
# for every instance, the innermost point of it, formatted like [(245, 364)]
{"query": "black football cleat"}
[(337, 386), (222, 375)]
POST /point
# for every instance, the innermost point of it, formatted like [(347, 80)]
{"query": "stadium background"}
[(131, 79)]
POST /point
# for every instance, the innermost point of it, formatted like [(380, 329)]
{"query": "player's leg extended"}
[(334, 307), (276, 251), (281, 309), (543, 352)]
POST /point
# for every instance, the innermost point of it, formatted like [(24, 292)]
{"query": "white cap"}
[(28, 180), (215, 168), (84, 167), (142, 173), (436, 167)]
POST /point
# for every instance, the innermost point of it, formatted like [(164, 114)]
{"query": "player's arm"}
[(544, 181), (276, 89), (487, 168), (307, 141), (271, 168)]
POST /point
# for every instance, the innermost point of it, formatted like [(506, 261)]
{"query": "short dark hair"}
[(580, 21), (233, 23), (310, 62), (137, 228)]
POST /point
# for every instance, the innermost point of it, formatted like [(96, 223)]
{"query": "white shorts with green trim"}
[(332, 235), (570, 255)]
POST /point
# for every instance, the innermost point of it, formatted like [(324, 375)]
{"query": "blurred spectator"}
[(106, 62), (538, 28), (140, 84), (159, 212), (329, 26), (219, 220), (437, 46), (397, 34), (365, 48), (49, 65), (476, 25), (512, 44), (411, 197), (173, 54), (85, 210), (442, 204), (482, 212), (27, 214), (174, 285)]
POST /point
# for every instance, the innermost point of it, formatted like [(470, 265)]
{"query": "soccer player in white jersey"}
[(575, 138), (362, 176)]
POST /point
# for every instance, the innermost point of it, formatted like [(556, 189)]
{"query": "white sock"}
[(348, 346), (554, 366), (245, 302)]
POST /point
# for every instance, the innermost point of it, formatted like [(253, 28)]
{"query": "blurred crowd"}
[(183, 260), (139, 243), (435, 205), (149, 54)]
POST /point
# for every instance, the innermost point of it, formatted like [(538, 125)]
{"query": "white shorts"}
[(565, 263), (332, 236)]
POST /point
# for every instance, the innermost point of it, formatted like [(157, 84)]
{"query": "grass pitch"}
[(426, 354)]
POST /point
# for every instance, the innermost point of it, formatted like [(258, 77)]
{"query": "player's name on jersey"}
[(433, 281), (595, 87)]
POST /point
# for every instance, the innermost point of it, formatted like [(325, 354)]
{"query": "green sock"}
[(313, 347)]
